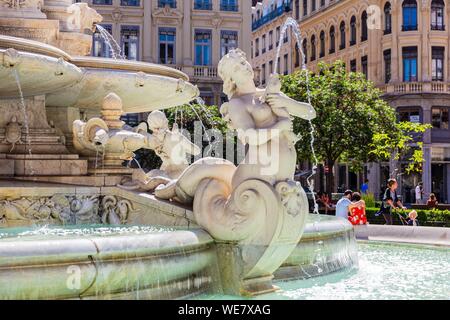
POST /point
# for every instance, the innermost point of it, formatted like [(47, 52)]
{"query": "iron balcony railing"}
[(438, 27), (285, 7)]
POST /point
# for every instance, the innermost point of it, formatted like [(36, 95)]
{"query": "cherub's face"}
[(242, 71)]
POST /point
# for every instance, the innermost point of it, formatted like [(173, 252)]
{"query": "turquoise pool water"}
[(386, 271)]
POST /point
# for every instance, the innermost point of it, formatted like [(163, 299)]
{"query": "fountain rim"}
[(128, 65), (36, 47), (32, 46)]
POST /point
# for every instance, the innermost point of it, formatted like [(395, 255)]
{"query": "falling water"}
[(290, 22), (25, 116), (116, 51)]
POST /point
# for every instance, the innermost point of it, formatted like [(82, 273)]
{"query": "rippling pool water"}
[(386, 271)]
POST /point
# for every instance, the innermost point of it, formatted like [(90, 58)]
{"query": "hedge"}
[(436, 218)]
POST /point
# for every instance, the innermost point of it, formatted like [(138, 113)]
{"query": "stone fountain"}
[(173, 232)]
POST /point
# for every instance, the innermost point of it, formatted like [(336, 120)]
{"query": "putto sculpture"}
[(170, 145), (107, 134), (256, 205)]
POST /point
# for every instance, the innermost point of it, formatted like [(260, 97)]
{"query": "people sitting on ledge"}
[(357, 210), (432, 201)]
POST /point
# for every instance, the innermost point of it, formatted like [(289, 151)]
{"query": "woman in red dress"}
[(357, 210)]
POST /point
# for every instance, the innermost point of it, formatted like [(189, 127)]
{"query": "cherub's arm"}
[(296, 108)]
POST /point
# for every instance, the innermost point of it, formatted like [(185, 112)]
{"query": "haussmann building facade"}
[(403, 47)]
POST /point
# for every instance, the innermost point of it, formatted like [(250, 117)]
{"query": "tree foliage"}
[(354, 124)]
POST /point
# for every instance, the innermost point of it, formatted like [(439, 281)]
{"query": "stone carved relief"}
[(66, 209), (19, 4), (13, 133)]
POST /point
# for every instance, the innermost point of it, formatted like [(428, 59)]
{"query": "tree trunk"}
[(330, 177)]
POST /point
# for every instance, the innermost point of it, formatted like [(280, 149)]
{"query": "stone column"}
[(396, 26), (188, 35), (424, 18), (57, 10), (447, 183), (373, 174), (426, 173), (147, 32)]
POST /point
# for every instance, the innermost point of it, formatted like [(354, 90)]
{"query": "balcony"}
[(409, 27), (272, 15), (202, 5), (438, 27), (416, 87), (205, 72)]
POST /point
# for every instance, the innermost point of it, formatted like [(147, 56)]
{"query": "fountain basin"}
[(83, 82), (104, 262), (38, 74), (143, 87), (328, 245)]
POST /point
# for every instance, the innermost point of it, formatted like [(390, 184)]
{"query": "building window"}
[(207, 96), (263, 74), (297, 56), (387, 18), (129, 36), (387, 65), (409, 114), (297, 9), (322, 44), (313, 48), (202, 47), (170, 3), (263, 44), (437, 15), (437, 63), (270, 39), (332, 40), (270, 67), (409, 64), (439, 117), (313, 5), (277, 36), (99, 46), (353, 31), (102, 2), (286, 36), (228, 5), (257, 47), (322, 3), (305, 52), (342, 35), (202, 5), (286, 64), (228, 41), (353, 65), (278, 65), (167, 43), (409, 15), (305, 7), (364, 31), (130, 3), (364, 66)]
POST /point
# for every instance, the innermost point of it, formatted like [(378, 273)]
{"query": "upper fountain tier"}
[(84, 81)]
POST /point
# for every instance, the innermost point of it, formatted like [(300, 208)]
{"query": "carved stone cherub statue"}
[(170, 145), (107, 134), (13, 133)]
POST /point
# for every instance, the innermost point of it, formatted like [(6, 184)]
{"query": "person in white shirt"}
[(419, 193)]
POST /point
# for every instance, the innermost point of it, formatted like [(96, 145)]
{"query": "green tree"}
[(354, 124)]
